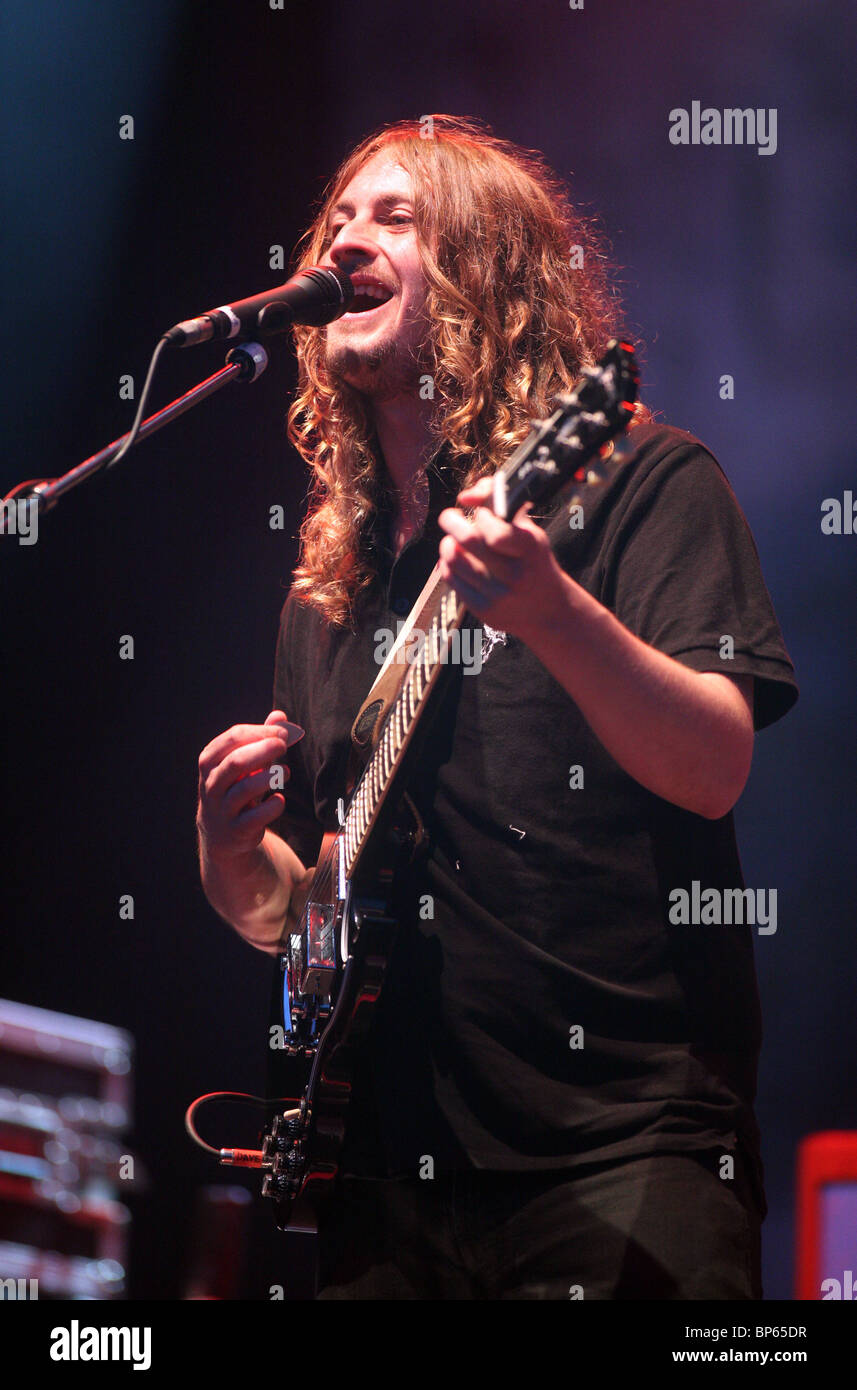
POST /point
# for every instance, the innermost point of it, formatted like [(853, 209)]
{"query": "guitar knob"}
[(295, 1161)]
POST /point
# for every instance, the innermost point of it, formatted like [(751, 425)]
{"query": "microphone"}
[(315, 296)]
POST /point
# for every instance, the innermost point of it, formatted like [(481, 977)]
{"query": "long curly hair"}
[(518, 302)]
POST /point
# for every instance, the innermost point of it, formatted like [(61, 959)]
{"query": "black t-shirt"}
[(541, 1010)]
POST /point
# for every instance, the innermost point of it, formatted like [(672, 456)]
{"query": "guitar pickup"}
[(320, 949)]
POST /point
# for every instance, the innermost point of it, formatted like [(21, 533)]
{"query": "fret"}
[(401, 717)]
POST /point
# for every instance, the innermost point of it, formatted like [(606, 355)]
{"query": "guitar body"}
[(328, 983), (332, 970)]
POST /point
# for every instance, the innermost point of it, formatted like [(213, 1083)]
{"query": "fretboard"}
[(380, 774)]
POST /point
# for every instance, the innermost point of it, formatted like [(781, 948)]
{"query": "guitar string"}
[(377, 774)]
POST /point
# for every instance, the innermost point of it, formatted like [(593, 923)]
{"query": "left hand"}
[(505, 572)]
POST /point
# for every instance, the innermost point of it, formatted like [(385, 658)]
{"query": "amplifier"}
[(65, 1103)]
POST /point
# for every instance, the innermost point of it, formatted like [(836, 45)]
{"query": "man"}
[(556, 1100)]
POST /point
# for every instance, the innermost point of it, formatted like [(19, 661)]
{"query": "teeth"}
[(372, 291)]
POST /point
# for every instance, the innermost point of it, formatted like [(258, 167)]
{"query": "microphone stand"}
[(246, 362)]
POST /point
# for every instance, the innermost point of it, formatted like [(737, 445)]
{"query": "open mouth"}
[(367, 297)]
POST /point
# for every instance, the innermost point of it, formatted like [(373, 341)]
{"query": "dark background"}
[(730, 262)]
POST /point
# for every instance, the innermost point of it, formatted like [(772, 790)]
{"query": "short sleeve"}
[(297, 825), (682, 572)]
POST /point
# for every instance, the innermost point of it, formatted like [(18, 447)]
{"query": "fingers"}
[(249, 791), (248, 823), (493, 548), (478, 493), (463, 564), (496, 567), (235, 775), (275, 726), (241, 744), (239, 781), (482, 492), (513, 539), (293, 731), (474, 596), (242, 832)]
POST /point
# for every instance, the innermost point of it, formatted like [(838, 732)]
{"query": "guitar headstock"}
[(562, 446)]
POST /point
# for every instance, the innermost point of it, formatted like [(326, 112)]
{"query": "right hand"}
[(234, 779)]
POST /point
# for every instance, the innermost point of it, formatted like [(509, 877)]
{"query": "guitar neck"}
[(380, 778)]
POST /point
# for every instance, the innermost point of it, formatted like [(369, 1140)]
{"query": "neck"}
[(403, 426)]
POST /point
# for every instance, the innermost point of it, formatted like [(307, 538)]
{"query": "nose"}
[(351, 247)]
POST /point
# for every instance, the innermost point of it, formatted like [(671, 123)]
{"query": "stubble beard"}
[(380, 372)]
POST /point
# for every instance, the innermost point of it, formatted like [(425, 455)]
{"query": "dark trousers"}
[(665, 1226)]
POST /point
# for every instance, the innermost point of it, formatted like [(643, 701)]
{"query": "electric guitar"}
[(332, 969)]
